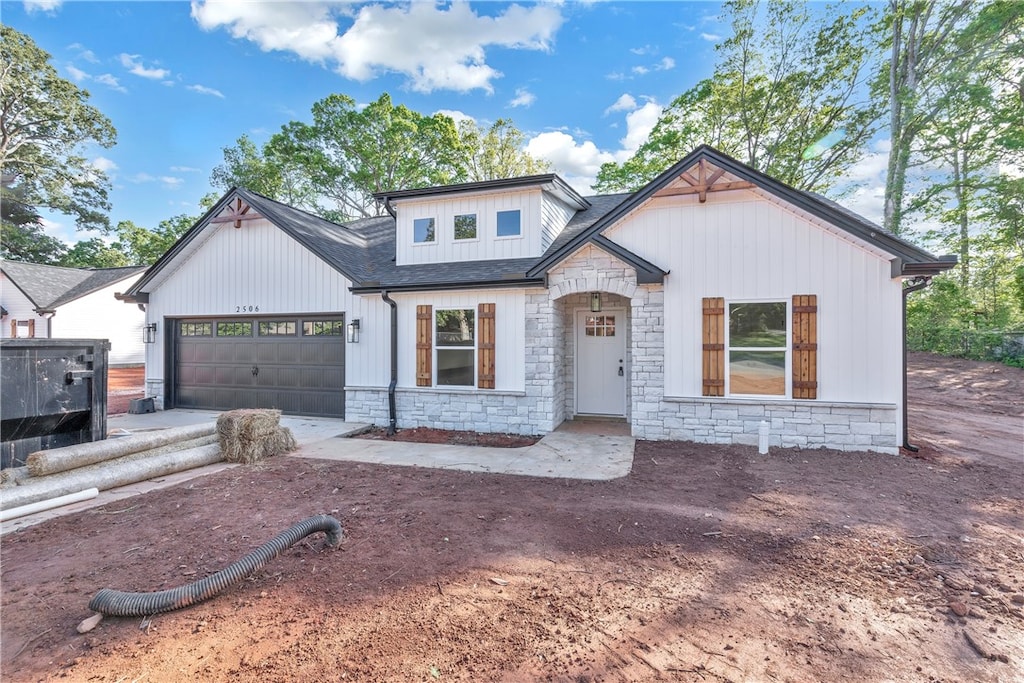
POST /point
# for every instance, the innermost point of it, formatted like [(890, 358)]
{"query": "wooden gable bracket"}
[(703, 183), (237, 212)]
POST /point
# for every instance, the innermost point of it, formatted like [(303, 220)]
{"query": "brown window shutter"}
[(485, 346), (424, 345), (714, 346), (31, 328), (14, 329), (805, 346)]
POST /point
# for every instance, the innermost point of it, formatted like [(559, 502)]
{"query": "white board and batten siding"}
[(555, 215), (741, 246), (487, 246), (259, 265), (19, 307), (99, 315), (509, 337)]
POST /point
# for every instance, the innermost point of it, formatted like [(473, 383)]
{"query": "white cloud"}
[(645, 50), (456, 115), (135, 66), (185, 169), (45, 6), (639, 124), (665, 64), (203, 90), (523, 98), (569, 158), (626, 102), (111, 82), (710, 37), (436, 47), (640, 70), (170, 182), (77, 75), (141, 178), (84, 53), (103, 164)]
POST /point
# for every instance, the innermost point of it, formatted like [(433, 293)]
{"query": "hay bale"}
[(250, 435)]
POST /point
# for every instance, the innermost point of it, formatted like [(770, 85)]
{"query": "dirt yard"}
[(124, 384), (704, 564)]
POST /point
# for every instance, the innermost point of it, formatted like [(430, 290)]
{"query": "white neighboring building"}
[(72, 303), (708, 302)]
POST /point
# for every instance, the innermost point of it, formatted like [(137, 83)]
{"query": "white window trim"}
[(440, 347), (466, 240), (508, 237), (788, 372), (426, 242)]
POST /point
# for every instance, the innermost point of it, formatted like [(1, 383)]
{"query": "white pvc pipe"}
[(762, 437), (48, 504)]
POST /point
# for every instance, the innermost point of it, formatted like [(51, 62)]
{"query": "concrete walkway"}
[(587, 450), (596, 451)]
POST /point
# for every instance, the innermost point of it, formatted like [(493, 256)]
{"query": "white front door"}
[(601, 362)]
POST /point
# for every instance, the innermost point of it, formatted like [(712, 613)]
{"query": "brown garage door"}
[(293, 363)]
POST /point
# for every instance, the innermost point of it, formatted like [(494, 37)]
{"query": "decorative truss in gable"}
[(709, 178), (236, 212)]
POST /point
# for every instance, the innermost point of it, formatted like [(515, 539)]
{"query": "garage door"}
[(294, 364)]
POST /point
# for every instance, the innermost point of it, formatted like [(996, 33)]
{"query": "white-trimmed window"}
[(758, 348), (509, 224), (455, 347), (465, 227), (423, 230)]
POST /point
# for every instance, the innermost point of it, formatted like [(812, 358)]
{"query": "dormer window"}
[(509, 224), (465, 227), (423, 230)]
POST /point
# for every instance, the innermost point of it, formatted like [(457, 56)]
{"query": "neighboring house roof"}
[(364, 250), (49, 287), (912, 259)]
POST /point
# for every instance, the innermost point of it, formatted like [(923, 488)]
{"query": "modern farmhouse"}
[(708, 302)]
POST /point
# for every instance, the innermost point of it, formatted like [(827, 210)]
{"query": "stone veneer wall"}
[(500, 412)]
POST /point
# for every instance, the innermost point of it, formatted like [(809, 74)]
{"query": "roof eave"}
[(507, 283)]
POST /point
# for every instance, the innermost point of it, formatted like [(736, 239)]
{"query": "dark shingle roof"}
[(48, 287)]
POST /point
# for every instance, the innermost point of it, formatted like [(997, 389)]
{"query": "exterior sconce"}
[(149, 333), (352, 331), (595, 302)]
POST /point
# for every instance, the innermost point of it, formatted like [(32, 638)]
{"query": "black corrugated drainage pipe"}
[(917, 283), (120, 604), (392, 411)]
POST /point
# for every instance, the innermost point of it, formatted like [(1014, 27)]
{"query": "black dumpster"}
[(53, 392)]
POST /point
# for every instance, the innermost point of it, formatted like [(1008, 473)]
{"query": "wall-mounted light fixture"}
[(149, 333), (352, 331), (595, 302)]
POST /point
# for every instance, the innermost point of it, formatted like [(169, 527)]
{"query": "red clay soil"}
[(705, 563), (447, 436), (123, 385)]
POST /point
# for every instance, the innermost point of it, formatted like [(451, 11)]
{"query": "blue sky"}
[(180, 81)]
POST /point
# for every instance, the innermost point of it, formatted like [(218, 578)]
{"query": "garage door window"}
[(234, 329), (273, 328), (196, 329), (323, 328)]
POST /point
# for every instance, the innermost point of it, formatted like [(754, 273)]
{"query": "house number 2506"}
[(247, 309)]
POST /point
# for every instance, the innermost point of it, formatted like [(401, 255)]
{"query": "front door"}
[(601, 362)]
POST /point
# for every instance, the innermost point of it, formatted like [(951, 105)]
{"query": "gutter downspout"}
[(918, 283), (392, 412)]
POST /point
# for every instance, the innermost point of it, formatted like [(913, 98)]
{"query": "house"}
[(52, 302), (708, 302)]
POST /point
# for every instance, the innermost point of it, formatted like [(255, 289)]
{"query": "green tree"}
[(786, 97), (264, 171), (45, 125), (143, 246), (95, 253), (21, 230), (497, 152), (349, 153), (931, 44)]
